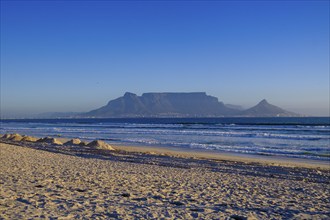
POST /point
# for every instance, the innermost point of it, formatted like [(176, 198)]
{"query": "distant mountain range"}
[(195, 104)]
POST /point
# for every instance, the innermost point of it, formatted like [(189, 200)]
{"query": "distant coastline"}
[(171, 105)]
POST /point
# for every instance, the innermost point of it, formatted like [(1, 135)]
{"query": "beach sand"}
[(61, 182)]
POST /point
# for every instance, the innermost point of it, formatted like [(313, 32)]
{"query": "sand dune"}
[(42, 184)]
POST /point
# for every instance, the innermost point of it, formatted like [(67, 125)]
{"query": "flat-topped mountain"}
[(194, 104), (163, 105)]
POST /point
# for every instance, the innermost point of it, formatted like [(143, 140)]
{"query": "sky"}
[(78, 55)]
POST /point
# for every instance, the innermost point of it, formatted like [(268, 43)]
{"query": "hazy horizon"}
[(27, 114), (63, 56)]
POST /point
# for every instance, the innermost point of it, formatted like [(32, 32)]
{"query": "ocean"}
[(304, 137)]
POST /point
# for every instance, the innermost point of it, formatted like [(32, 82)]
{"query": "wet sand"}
[(224, 156), (65, 182)]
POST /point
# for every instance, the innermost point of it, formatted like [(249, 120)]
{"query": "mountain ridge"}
[(265, 109), (179, 104)]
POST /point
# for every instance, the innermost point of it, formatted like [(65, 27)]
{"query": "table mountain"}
[(194, 104)]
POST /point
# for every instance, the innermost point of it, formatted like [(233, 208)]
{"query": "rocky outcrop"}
[(74, 141), (30, 139), (97, 144), (50, 140)]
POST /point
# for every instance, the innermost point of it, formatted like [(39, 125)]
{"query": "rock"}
[(151, 153), (50, 140), (74, 141), (100, 145), (6, 136), (16, 137), (83, 143), (30, 139)]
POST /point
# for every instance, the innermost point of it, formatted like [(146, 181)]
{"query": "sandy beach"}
[(65, 182)]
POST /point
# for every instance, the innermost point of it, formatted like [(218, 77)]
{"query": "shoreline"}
[(226, 156), (212, 155), (220, 156)]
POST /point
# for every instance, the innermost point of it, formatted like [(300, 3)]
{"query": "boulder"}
[(16, 137), (100, 145), (50, 140), (74, 141), (6, 136), (83, 143), (30, 139)]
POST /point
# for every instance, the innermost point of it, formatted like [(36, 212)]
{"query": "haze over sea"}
[(305, 137)]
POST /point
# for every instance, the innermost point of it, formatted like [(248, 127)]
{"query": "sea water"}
[(305, 137)]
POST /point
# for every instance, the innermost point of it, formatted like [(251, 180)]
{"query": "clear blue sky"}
[(77, 55)]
